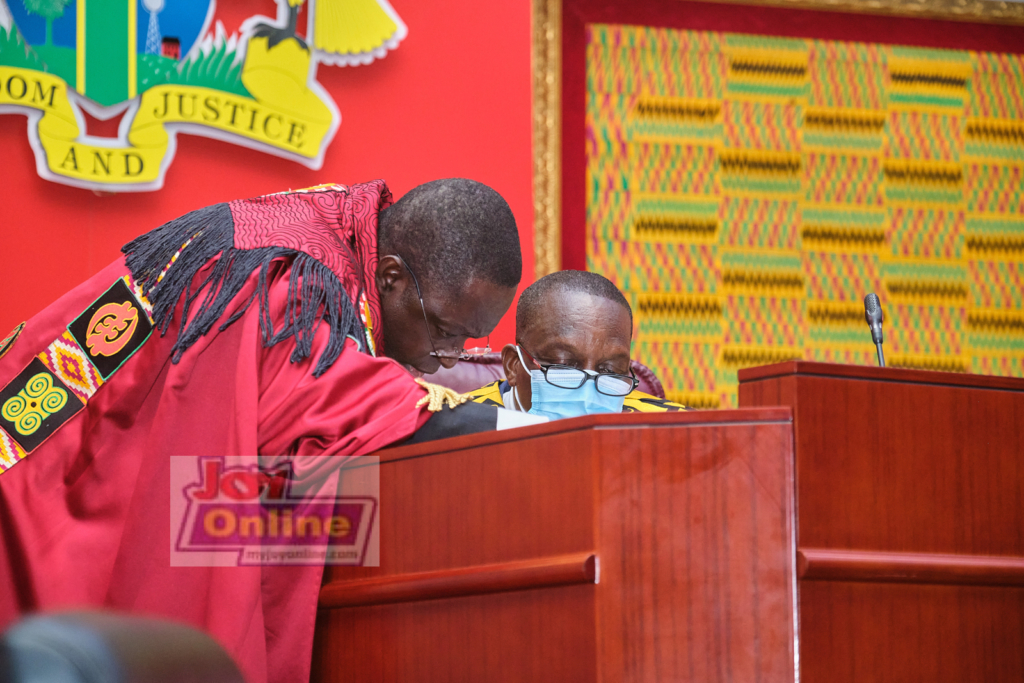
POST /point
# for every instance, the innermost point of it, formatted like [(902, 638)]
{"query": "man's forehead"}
[(569, 316), (473, 308), (559, 303)]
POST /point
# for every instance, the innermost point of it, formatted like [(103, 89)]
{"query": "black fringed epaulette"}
[(166, 260)]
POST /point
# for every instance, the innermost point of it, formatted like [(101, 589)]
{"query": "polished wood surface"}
[(449, 583), (910, 492), (805, 368), (854, 631), (861, 565), (688, 518)]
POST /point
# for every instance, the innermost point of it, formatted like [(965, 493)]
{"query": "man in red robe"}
[(291, 324)]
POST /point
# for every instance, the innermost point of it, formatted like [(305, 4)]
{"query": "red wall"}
[(452, 100)]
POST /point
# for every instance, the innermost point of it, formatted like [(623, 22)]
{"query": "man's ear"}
[(510, 363), (391, 274)]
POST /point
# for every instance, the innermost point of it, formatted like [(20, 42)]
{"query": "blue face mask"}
[(555, 403)]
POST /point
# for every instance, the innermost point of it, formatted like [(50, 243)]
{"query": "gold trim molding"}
[(547, 91), (547, 136)]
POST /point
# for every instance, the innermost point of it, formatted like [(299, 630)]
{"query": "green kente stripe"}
[(930, 54), (995, 342), (730, 182), (838, 335), (995, 225), (675, 130), (680, 327), (932, 271), (1009, 152), (742, 40), (859, 218), (661, 206), (935, 100), (761, 261), (905, 194), (858, 142), (758, 89)]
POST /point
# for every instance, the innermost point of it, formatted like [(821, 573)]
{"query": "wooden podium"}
[(910, 490), (638, 547)]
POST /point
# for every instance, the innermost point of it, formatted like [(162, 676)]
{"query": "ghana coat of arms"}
[(166, 69)]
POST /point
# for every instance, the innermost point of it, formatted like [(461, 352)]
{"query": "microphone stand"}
[(873, 315)]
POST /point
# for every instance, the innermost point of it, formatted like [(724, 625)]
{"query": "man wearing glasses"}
[(571, 356)]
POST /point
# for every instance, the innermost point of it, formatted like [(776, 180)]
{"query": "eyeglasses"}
[(568, 377), (461, 354)]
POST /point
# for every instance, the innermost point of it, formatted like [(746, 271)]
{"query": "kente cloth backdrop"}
[(748, 191)]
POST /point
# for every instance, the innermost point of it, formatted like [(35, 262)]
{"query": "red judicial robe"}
[(84, 516)]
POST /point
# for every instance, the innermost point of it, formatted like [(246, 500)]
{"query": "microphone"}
[(873, 314)]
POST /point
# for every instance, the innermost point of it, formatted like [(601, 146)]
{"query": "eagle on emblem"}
[(343, 32)]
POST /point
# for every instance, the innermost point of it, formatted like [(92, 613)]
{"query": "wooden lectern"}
[(637, 547), (910, 498)]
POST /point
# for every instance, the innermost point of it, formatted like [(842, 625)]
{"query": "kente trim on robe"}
[(59, 381), (330, 234)]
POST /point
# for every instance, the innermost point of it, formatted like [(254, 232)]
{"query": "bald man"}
[(571, 356)]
